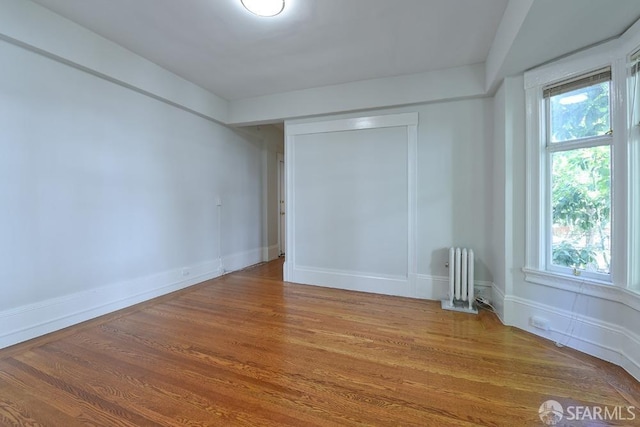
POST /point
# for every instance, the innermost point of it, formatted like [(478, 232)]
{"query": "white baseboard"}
[(352, 281), (270, 253), (432, 287), (240, 260), (630, 352), (437, 287), (33, 320), (419, 286), (497, 300), (607, 341)]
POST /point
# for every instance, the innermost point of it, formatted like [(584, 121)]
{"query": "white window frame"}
[(551, 148), (633, 112), (538, 267)]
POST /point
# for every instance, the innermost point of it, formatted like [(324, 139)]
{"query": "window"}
[(583, 172), (578, 149)]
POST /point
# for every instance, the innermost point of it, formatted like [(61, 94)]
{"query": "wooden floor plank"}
[(249, 349)]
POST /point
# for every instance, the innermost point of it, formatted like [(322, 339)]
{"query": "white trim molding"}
[(589, 287), (270, 253), (33, 320), (404, 285), (611, 342), (354, 281), (436, 288), (35, 28), (240, 260), (610, 54), (497, 300), (427, 287)]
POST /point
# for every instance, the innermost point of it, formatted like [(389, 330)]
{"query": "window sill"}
[(583, 286)]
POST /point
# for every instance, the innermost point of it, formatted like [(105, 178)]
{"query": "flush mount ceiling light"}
[(264, 7)]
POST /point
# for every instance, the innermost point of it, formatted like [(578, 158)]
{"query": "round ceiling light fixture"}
[(265, 8)]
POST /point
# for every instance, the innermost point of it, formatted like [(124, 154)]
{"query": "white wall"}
[(498, 226), (508, 166), (36, 27), (108, 196), (432, 86), (351, 201), (453, 195), (454, 183)]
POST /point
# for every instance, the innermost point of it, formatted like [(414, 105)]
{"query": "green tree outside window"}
[(581, 180)]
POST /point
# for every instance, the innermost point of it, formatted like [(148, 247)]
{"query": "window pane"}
[(582, 113), (581, 202)]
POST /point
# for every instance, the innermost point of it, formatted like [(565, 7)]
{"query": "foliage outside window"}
[(579, 150)]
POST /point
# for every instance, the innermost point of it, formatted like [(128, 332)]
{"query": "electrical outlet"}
[(539, 322)]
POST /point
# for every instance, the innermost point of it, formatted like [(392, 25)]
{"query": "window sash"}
[(584, 80), (570, 142), (634, 59), (548, 212), (594, 141), (633, 92)]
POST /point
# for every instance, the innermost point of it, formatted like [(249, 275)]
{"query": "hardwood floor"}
[(249, 349)]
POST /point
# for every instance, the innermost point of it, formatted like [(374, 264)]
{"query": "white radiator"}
[(461, 296)]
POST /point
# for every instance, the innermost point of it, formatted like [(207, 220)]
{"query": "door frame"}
[(282, 206)]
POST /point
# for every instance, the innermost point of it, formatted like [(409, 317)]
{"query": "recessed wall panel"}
[(351, 201)]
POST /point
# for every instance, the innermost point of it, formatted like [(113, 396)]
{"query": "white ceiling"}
[(554, 28), (221, 47)]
